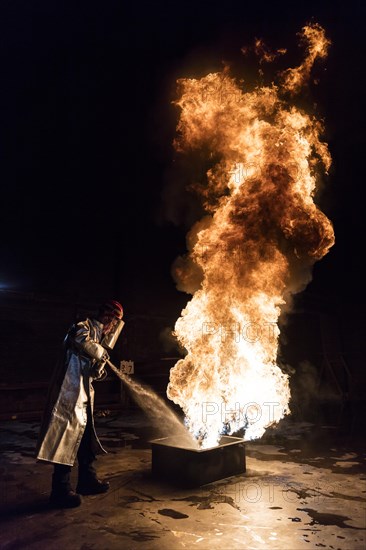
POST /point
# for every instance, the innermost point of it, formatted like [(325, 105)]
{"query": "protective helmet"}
[(112, 308)]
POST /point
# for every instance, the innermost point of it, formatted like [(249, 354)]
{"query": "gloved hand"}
[(98, 370), (105, 356)]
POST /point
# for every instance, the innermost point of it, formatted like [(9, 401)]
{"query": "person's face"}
[(109, 323)]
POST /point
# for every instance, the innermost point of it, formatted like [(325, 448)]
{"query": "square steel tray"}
[(182, 466)]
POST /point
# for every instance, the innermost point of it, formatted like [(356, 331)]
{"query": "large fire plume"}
[(253, 249)]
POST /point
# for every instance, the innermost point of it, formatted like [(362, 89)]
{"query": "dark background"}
[(86, 151)]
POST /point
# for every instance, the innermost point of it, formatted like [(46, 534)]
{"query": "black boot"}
[(65, 499), (88, 483), (62, 496), (92, 486)]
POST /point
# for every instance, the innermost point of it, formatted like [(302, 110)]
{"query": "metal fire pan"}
[(172, 461)]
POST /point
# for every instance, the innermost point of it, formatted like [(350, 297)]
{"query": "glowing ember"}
[(252, 251)]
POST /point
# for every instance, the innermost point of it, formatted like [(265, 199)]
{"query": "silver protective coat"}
[(70, 392)]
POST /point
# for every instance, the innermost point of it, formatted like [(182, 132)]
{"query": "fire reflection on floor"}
[(305, 487)]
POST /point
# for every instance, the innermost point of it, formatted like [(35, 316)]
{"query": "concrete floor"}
[(305, 487)]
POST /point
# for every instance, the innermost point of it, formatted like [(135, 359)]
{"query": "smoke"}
[(310, 390), (305, 388), (169, 342)]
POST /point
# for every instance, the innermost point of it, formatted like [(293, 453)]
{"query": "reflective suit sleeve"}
[(83, 341)]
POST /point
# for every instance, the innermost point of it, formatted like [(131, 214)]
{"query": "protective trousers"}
[(86, 472)]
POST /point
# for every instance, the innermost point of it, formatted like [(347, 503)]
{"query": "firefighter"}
[(67, 431)]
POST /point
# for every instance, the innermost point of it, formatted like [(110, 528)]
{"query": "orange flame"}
[(254, 248), (317, 46)]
